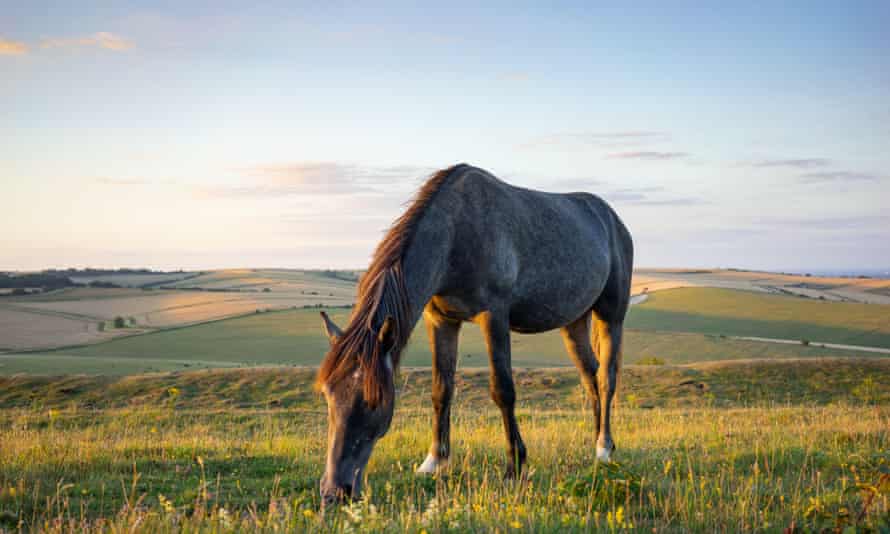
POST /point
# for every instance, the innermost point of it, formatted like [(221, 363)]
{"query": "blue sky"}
[(218, 134)]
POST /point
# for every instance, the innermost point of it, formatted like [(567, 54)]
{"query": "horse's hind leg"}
[(576, 337), (496, 330), (443, 335), (607, 340)]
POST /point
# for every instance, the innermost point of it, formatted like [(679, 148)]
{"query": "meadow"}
[(214, 426), (728, 447)]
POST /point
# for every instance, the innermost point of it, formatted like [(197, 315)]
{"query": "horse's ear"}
[(387, 334), (333, 331)]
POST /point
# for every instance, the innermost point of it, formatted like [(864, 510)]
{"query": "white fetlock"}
[(603, 454), (430, 465)]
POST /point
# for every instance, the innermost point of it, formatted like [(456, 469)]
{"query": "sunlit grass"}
[(164, 465)]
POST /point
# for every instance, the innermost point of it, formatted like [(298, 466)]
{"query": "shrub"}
[(651, 360), (120, 322)]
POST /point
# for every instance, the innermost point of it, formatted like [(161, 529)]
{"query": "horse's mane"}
[(381, 294)]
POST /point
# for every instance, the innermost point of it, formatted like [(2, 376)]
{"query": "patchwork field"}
[(866, 290), (90, 311), (673, 326), (729, 447)]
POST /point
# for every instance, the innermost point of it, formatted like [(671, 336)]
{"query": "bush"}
[(651, 360), (120, 322), (805, 342)]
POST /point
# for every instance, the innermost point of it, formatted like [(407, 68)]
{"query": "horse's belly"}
[(530, 316)]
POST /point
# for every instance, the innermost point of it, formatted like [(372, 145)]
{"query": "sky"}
[(201, 135)]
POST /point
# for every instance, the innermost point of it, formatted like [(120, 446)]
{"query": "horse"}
[(473, 248)]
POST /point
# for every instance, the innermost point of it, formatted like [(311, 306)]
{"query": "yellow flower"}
[(516, 524), (11, 491), (308, 514)]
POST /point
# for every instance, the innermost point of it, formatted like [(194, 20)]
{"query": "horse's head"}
[(354, 423)]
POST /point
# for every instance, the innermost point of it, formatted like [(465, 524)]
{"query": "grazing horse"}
[(474, 248)]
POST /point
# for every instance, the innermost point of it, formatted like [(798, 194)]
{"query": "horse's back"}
[(546, 257)]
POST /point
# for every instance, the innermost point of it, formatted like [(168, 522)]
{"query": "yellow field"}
[(72, 316), (868, 290)]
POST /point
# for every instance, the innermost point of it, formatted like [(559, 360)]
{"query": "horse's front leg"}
[(443, 335), (496, 330)]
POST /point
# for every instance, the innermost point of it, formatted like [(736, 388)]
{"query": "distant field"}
[(295, 337), (132, 279), (223, 294), (726, 312), (865, 290)]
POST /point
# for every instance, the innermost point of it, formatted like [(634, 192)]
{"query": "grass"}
[(729, 312), (227, 450)]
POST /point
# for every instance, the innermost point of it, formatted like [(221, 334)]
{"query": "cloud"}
[(856, 222), (123, 181), (12, 48), (837, 176), (647, 155), (803, 163), (105, 40), (320, 178), (626, 138)]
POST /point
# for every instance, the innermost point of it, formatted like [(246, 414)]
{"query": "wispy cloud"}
[(121, 181), (12, 48), (319, 178), (858, 223), (620, 194), (616, 139), (802, 163), (105, 40), (647, 155), (837, 176)]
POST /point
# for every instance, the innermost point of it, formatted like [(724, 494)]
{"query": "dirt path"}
[(879, 350)]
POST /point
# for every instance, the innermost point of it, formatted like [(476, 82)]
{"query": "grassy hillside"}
[(729, 447), (729, 312), (294, 337)]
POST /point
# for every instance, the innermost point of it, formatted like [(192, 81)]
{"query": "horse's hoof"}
[(431, 465), (604, 454)]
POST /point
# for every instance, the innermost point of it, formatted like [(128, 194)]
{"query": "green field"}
[(741, 313), (711, 447), (676, 326), (295, 337)]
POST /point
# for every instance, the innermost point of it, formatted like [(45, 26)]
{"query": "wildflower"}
[(516, 524), (11, 491), (308, 514)]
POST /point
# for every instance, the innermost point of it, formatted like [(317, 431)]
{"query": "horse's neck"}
[(424, 264)]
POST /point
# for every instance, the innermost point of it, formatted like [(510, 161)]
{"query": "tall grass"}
[(169, 467)]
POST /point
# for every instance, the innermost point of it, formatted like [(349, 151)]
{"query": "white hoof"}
[(430, 465), (603, 454)]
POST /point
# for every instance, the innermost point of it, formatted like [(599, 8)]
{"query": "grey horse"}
[(474, 248)]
